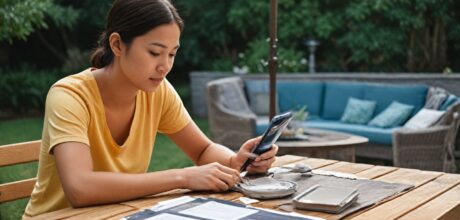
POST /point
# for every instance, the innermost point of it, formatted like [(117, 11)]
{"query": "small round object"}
[(267, 188)]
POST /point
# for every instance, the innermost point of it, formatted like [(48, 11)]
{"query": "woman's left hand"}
[(262, 162)]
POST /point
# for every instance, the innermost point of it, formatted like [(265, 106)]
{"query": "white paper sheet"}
[(215, 210)]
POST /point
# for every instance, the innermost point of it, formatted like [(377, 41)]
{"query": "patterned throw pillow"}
[(394, 115), (358, 111)]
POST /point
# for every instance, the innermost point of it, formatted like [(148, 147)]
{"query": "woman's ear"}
[(115, 43)]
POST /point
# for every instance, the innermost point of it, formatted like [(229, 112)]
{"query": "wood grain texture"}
[(442, 206), (436, 195), (409, 201), (16, 190), (285, 159), (106, 212), (17, 153), (375, 172), (410, 176), (346, 167)]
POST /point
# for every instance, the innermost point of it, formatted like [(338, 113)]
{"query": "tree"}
[(18, 19)]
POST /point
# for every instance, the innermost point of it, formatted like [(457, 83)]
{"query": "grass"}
[(166, 155)]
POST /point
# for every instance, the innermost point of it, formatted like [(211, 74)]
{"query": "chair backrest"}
[(13, 154)]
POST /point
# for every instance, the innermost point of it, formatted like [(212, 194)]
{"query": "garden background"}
[(44, 40)]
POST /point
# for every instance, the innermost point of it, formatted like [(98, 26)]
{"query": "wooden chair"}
[(13, 154)]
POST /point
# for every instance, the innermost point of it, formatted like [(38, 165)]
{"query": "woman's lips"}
[(156, 80)]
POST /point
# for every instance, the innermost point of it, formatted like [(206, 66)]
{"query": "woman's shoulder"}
[(84, 78), (82, 85)]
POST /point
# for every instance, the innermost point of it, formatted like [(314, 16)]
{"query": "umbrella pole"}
[(273, 58)]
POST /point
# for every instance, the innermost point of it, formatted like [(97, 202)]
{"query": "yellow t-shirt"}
[(75, 112)]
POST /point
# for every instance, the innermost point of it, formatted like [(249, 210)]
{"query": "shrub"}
[(24, 91)]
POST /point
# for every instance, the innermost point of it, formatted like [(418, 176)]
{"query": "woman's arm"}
[(83, 186), (203, 151)]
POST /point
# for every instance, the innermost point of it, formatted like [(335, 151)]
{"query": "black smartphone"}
[(277, 125)]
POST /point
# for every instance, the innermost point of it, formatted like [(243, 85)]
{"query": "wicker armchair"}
[(231, 121), (431, 148)]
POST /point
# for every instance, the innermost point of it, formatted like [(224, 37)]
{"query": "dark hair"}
[(130, 19)]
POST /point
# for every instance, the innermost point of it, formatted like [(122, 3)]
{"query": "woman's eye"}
[(172, 55), (154, 54)]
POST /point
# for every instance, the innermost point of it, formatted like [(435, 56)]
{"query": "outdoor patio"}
[(374, 86)]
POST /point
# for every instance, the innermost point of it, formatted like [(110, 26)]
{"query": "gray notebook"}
[(326, 198)]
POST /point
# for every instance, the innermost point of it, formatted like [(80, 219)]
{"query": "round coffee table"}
[(323, 144)]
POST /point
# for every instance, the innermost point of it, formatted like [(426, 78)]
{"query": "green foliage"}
[(18, 19), (355, 35), (24, 91)]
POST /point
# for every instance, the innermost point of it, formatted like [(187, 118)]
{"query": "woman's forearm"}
[(217, 153), (93, 188)]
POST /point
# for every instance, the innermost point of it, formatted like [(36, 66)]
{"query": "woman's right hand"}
[(213, 176)]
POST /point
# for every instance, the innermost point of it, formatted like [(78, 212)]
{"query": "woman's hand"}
[(261, 163), (213, 176)]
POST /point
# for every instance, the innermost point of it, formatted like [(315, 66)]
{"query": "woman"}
[(100, 124)]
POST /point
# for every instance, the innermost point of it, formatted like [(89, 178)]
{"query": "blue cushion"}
[(449, 101), (294, 95), (395, 115), (385, 94), (336, 96), (358, 111), (374, 134)]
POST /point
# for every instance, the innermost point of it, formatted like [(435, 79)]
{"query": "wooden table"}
[(323, 144), (436, 195)]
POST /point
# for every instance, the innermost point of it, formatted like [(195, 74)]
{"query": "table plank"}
[(100, 213), (68, 212), (314, 163), (403, 204), (346, 167), (375, 172), (438, 207), (451, 214), (409, 176), (124, 214), (286, 159)]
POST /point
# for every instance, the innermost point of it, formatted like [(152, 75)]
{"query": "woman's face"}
[(150, 57)]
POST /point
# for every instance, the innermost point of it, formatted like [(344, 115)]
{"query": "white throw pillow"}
[(424, 119)]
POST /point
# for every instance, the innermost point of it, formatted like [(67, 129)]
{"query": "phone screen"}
[(277, 125)]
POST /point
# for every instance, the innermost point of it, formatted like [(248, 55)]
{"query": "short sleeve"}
[(174, 116), (66, 118)]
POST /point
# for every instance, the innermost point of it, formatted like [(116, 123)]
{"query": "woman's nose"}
[(164, 67)]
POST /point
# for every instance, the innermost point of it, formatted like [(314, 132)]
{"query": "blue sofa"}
[(326, 102), (243, 104)]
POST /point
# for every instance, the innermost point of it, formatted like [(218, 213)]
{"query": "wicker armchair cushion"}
[(435, 98), (231, 96), (424, 119), (448, 102)]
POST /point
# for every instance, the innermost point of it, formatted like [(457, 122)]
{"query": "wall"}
[(198, 81)]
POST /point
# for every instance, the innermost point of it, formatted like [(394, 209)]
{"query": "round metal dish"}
[(267, 188)]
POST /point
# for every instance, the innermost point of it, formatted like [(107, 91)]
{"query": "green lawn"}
[(165, 156)]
